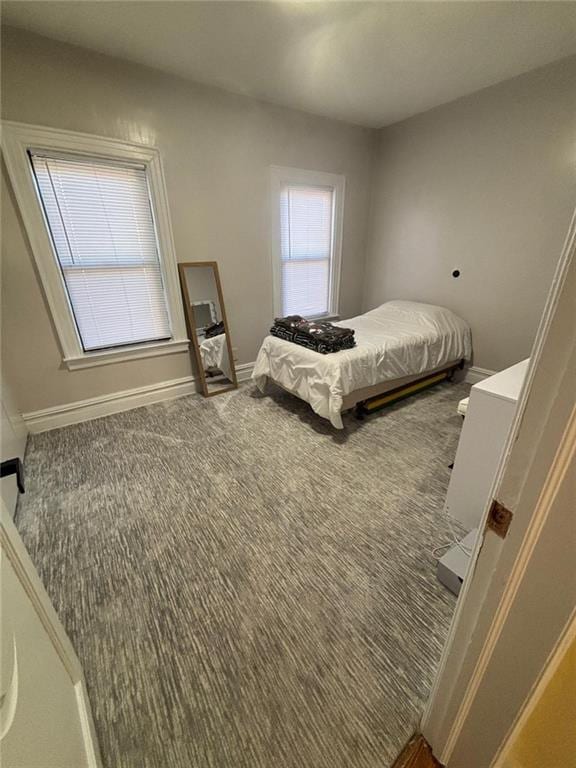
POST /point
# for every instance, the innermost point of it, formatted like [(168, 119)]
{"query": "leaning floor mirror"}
[(207, 326)]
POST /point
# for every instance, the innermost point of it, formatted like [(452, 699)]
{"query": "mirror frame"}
[(191, 323)]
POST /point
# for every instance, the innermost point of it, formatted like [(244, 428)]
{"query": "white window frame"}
[(281, 176), (17, 140)]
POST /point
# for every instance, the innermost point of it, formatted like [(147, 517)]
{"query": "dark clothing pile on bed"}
[(214, 330), (318, 335)]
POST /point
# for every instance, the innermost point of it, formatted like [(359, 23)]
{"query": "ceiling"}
[(370, 63)]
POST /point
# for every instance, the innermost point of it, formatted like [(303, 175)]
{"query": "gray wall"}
[(217, 149), (486, 184)]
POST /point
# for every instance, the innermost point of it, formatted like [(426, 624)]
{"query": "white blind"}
[(100, 220), (306, 215)]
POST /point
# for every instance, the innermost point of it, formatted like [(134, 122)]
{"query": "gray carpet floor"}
[(244, 586)]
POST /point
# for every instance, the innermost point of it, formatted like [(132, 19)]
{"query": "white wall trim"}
[(279, 176), (474, 374), (104, 405), (136, 352), (244, 371)]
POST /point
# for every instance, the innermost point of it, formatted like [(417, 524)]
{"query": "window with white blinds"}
[(306, 241), (100, 219), (306, 228)]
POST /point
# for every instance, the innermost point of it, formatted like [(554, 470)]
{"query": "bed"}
[(396, 343)]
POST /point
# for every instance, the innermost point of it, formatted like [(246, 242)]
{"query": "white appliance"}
[(488, 418)]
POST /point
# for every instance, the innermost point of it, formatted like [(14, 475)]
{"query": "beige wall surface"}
[(487, 185), (217, 149), (548, 737)]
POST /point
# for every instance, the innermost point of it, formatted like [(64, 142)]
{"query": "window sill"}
[(329, 316), (107, 357)]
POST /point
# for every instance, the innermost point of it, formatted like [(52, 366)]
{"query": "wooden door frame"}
[(539, 448)]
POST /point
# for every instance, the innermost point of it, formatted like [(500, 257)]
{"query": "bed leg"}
[(359, 411), (452, 373)]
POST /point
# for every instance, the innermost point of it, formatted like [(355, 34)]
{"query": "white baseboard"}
[(104, 405), (474, 375), (244, 371), (116, 402)]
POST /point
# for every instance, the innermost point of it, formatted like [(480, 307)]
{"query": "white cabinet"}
[(488, 419)]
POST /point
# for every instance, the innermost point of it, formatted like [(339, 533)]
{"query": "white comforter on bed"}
[(399, 338)]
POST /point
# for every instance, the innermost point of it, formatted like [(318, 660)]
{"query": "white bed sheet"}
[(214, 354), (399, 338)]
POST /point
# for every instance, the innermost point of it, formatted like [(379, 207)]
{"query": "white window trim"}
[(281, 176), (17, 139)]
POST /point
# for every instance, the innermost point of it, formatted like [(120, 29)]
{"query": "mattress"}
[(397, 339)]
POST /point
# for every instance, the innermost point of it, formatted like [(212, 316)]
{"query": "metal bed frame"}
[(371, 399)]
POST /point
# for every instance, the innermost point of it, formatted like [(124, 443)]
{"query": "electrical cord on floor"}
[(467, 550), (455, 542), (436, 551)]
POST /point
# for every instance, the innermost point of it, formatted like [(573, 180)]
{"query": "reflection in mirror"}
[(207, 326)]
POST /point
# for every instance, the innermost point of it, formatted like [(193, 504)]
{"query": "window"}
[(103, 234), (96, 214), (307, 226)]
